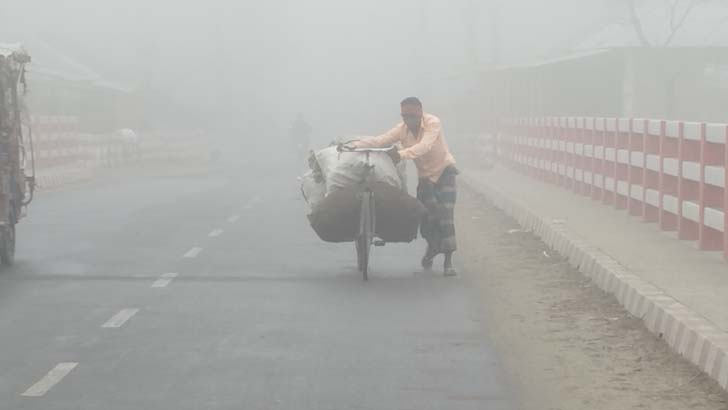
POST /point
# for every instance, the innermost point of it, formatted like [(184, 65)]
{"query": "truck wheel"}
[(7, 247), (7, 241)]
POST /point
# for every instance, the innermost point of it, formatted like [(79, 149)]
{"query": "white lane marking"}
[(120, 318), (252, 203), (164, 280), (192, 253), (51, 379), (234, 218), (215, 233)]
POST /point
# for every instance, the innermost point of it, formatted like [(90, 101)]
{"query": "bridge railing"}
[(672, 173)]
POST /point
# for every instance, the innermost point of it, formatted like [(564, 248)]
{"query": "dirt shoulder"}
[(565, 343)]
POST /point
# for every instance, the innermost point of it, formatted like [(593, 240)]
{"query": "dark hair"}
[(412, 101)]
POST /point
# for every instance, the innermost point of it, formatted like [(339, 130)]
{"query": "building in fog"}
[(614, 71)]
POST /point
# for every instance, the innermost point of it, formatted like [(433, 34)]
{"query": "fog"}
[(185, 224), (252, 65), (247, 68)]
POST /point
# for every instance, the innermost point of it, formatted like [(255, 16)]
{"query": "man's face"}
[(412, 116)]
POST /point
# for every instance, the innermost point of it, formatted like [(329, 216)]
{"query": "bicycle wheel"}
[(366, 234)]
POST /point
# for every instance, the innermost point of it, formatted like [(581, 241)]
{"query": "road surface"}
[(210, 291)]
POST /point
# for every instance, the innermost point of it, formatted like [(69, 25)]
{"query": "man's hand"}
[(394, 154)]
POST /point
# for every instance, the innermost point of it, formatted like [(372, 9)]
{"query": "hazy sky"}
[(344, 64)]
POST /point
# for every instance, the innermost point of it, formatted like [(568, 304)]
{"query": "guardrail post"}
[(668, 183)]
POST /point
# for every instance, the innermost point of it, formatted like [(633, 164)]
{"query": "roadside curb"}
[(689, 334)]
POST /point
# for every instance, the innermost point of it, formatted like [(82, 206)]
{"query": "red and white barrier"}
[(63, 155), (668, 172)]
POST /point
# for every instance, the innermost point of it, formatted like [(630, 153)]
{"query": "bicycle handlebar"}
[(344, 148)]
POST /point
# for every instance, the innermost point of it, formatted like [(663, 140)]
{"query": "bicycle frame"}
[(367, 216)]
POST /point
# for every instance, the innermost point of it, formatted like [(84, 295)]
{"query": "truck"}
[(17, 181)]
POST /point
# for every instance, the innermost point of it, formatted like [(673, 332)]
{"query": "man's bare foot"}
[(428, 259), (427, 262), (449, 270)]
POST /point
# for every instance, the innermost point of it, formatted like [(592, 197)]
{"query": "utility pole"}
[(494, 20), (423, 11), (472, 43)]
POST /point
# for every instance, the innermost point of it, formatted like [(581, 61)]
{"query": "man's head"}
[(412, 113)]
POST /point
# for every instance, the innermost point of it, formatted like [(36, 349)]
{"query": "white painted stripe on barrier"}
[(609, 184), (579, 149), (652, 197), (589, 151), (588, 177), (570, 172), (611, 124), (670, 166), (623, 156), (599, 152), (691, 211), (579, 175), (715, 176), (714, 219), (598, 179), (670, 204), (609, 155), (561, 169), (716, 133), (691, 131), (623, 124), (570, 147), (638, 126), (562, 146), (637, 192), (672, 129), (638, 159), (654, 127), (691, 171), (623, 188), (653, 162)]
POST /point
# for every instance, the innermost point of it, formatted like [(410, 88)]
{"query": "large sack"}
[(398, 215), (346, 169), (313, 191)]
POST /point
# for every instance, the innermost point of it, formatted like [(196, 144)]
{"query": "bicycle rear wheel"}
[(366, 234)]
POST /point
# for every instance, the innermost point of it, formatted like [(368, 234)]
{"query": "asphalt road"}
[(210, 291)]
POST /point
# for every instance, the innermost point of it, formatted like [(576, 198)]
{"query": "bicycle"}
[(366, 234)]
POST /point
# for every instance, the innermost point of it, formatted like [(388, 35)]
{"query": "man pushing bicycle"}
[(420, 136)]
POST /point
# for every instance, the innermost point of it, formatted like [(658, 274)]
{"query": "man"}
[(421, 139)]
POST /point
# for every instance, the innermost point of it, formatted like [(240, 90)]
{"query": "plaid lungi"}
[(438, 226)]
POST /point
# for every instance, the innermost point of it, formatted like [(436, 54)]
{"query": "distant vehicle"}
[(16, 144)]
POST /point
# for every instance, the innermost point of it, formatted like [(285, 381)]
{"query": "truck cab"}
[(16, 186)]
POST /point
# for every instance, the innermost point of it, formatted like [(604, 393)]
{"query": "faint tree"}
[(676, 12), (472, 11)]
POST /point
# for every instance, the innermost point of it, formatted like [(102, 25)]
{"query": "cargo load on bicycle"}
[(333, 189)]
